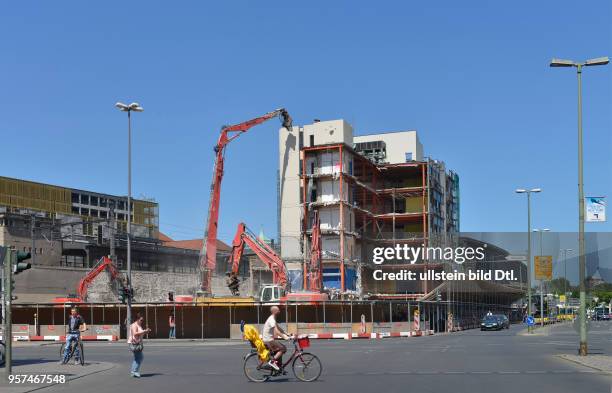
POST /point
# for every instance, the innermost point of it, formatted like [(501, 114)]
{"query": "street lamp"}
[(565, 251), (528, 192), (541, 231), (583, 351), (133, 107)]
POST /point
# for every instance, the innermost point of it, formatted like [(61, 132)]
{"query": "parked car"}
[(491, 322)]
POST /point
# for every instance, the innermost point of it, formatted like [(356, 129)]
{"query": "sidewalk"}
[(40, 367), (597, 362)]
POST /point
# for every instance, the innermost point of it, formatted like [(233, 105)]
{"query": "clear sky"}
[(472, 77)]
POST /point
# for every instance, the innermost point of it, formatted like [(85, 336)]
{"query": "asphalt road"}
[(470, 361)]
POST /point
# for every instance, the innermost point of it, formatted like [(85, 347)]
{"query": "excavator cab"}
[(271, 293)]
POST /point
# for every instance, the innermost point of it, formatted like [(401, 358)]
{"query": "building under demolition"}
[(369, 190)]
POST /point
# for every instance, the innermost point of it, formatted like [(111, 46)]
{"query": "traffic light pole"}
[(7, 334)]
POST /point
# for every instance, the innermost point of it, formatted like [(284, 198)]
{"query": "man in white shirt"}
[(270, 332)]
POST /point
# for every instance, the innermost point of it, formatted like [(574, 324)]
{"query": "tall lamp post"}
[(541, 231), (528, 192), (133, 107), (583, 350), (565, 251)]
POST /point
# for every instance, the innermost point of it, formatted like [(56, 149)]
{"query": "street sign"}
[(521, 258), (595, 209), (530, 321), (562, 299), (543, 267)]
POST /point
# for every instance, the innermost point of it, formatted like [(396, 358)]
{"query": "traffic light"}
[(123, 295), (21, 265)]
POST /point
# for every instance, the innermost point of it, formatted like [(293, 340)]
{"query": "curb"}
[(350, 336)]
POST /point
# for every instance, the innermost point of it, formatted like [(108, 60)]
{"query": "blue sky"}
[(471, 77)]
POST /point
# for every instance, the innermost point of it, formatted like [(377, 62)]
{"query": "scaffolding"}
[(375, 203)]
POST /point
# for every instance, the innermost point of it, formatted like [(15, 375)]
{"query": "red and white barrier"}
[(63, 338), (349, 336)]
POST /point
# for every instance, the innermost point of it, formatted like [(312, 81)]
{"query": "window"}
[(103, 202), (75, 197), (121, 217), (311, 140), (93, 213), (84, 212), (122, 205), (94, 200), (312, 168), (84, 199), (408, 156), (313, 195), (103, 214), (75, 210)]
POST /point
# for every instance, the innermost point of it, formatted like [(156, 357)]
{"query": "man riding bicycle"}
[(270, 332), (76, 325)]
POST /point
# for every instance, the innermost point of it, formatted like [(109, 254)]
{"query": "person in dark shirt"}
[(76, 325)]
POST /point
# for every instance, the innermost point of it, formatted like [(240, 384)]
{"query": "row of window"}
[(37, 251), (94, 200), (97, 213)]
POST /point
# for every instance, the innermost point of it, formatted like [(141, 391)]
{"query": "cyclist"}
[(270, 332), (76, 325)]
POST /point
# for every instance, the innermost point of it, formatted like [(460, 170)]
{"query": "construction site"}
[(340, 195)]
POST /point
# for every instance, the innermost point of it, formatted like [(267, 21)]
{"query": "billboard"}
[(595, 209), (543, 267)]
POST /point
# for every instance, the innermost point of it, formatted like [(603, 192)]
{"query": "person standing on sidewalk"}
[(172, 325), (135, 341)]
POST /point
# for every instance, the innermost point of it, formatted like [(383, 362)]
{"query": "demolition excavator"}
[(228, 134)]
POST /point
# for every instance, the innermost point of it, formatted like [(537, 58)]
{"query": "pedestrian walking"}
[(135, 341), (172, 325)]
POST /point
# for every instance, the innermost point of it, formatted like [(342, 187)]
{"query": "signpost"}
[(543, 271)]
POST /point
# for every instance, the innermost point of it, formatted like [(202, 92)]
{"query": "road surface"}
[(469, 361)]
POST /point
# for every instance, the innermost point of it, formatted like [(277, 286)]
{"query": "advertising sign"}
[(595, 209), (543, 267)]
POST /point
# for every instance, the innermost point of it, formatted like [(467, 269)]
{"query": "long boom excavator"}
[(228, 134)]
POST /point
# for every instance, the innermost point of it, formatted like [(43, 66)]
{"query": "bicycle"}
[(73, 345), (305, 366)]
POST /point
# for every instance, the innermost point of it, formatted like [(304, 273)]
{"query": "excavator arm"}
[(103, 264), (228, 134), (313, 274), (267, 255)]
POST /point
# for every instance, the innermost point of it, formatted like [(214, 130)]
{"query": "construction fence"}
[(223, 320)]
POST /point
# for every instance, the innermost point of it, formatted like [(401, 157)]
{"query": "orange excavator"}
[(245, 237), (228, 134), (103, 264), (277, 292)]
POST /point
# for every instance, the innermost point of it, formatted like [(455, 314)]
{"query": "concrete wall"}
[(291, 212), (397, 145), (148, 286), (46, 252)]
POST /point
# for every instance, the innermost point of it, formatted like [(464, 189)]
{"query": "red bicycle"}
[(306, 366)]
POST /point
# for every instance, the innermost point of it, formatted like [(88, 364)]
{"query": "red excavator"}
[(277, 291), (228, 134), (81, 295)]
